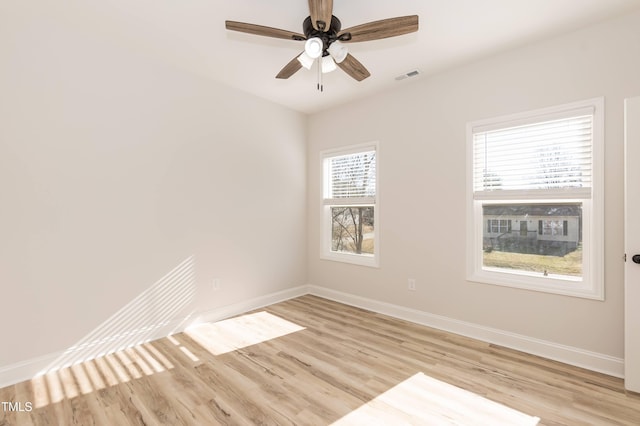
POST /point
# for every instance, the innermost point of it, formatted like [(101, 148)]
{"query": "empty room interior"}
[(323, 212)]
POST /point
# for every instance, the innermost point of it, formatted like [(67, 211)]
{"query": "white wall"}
[(116, 166), (421, 131)]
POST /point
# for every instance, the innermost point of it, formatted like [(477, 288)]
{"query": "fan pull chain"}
[(320, 84)]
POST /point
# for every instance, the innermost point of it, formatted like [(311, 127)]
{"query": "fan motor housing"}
[(327, 37)]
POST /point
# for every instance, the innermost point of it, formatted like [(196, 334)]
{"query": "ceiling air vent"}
[(408, 74)]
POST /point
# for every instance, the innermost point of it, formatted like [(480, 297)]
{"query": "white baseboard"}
[(28, 369), (567, 354), (223, 312), (25, 370)]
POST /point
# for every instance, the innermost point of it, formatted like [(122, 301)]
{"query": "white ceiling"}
[(452, 32)]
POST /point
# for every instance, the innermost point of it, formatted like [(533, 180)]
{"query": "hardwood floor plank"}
[(333, 364)]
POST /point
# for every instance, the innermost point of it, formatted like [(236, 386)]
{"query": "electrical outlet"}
[(215, 284), (411, 284)]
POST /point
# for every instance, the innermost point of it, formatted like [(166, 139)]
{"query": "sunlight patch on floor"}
[(184, 350), (424, 400), (239, 332), (96, 374)]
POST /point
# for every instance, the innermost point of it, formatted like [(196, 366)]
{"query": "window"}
[(350, 212), (498, 226), (553, 227), (535, 209)]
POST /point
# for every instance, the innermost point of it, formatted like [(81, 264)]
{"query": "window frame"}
[(591, 285), (326, 228)]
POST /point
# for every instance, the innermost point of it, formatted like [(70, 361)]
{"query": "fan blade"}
[(354, 68), (290, 69), (263, 31), (321, 11), (380, 29)]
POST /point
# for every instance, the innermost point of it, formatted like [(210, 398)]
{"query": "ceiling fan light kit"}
[(314, 47), (305, 60), (338, 50), (328, 64), (324, 39)]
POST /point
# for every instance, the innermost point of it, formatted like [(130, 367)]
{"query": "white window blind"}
[(352, 176), (544, 155)]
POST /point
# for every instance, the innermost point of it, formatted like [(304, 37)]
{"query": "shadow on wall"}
[(149, 316)]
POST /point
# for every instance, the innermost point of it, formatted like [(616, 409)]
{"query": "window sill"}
[(354, 259), (562, 285)]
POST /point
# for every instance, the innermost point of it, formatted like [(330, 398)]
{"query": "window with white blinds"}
[(350, 208), (541, 172)]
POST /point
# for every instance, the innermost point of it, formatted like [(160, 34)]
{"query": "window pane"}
[(352, 229), (353, 175), (544, 155), (538, 238)]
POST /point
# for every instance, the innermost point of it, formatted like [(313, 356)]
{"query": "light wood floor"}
[(313, 361)]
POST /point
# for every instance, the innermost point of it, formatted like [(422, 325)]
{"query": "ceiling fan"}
[(325, 39)]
